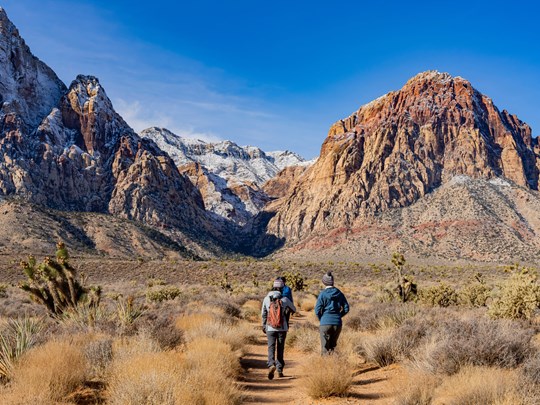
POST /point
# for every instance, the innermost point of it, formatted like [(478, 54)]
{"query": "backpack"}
[(275, 314)]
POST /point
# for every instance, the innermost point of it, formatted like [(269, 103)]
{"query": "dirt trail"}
[(371, 384)]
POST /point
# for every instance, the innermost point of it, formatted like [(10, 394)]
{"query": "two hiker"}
[(278, 306)]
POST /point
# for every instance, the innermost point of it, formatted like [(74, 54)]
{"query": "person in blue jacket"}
[(330, 308), (286, 292)]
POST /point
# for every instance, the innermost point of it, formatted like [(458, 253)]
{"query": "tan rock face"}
[(400, 147), (284, 182)]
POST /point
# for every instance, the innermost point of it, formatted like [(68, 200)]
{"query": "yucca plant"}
[(127, 311), (53, 283), (18, 336)]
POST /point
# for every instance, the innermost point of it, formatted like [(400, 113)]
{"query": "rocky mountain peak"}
[(396, 149), (29, 89), (87, 110)]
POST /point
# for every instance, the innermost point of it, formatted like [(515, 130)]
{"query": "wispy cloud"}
[(140, 119)]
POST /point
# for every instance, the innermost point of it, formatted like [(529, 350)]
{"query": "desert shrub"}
[(441, 295), (531, 369), (474, 295), (518, 297), (162, 330), (3, 290), (99, 353), (47, 374), (229, 309), (480, 342), (479, 385), (295, 280), (204, 374), (379, 316), (304, 338), (16, 337), (84, 316), (163, 294), (327, 376), (152, 282), (383, 349), (393, 345)]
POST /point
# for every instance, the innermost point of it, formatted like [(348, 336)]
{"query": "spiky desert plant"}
[(406, 289), (54, 284), (16, 337), (127, 310)]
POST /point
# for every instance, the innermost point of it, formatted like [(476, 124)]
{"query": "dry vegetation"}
[(153, 340)]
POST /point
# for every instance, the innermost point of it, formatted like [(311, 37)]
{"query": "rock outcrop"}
[(402, 146)]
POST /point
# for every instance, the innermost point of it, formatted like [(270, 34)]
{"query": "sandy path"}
[(371, 385)]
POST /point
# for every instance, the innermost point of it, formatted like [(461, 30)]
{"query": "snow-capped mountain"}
[(230, 177), (236, 164)]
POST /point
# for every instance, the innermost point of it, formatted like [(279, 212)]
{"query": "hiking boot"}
[(280, 374), (271, 371)]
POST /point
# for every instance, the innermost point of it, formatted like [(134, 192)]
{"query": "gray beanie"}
[(328, 279)]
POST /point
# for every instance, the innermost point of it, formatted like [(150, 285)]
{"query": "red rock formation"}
[(396, 149)]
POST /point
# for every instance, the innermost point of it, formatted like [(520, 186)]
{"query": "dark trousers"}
[(329, 337), (276, 342)]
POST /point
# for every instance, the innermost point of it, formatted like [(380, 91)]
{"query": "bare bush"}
[(99, 354), (481, 342), (531, 369)]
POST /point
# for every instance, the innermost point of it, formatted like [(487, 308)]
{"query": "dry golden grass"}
[(47, 374), (252, 310), (145, 378), (128, 347), (212, 354), (190, 322), (307, 303), (348, 345), (327, 376), (204, 386), (204, 324), (479, 385), (203, 374), (304, 338), (418, 389)]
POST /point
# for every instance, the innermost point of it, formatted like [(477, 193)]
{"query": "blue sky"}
[(278, 74)]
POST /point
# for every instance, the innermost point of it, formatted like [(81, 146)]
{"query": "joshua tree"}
[(53, 283), (406, 288)]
